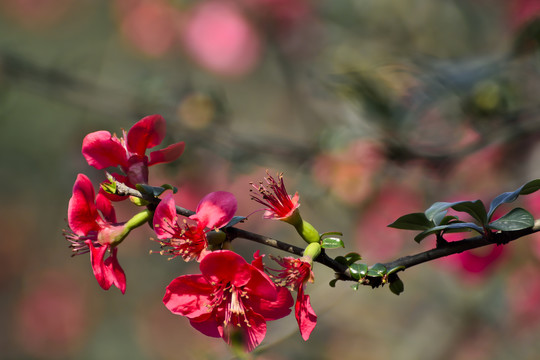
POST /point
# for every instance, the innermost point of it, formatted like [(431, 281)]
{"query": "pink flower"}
[(102, 150), (229, 297), (219, 38), (214, 211), (95, 233), (279, 205), (294, 275)]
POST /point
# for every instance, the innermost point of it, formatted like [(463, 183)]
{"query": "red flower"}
[(228, 298), (294, 275), (214, 211), (279, 205), (95, 233), (101, 149)]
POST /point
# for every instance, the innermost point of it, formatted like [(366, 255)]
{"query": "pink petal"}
[(113, 271), (227, 267), (188, 295), (305, 316), (258, 260), (253, 331), (273, 310), (145, 134), (82, 212), (98, 267), (261, 286), (101, 150), (216, 209), (104, 205), (170, 153), (165, 218), (208, 327)]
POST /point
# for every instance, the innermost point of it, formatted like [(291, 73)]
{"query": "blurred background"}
[(372, 109)]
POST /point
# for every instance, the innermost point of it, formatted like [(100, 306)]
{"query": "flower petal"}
[(82, 212), (227, 267), (188, 295), (165, 218), (170, 153), (305, 316), (104, 205), (113, 271), (260, 285), (208, 327), (216, 209), (101, 150), (253, 330), (145, 134), (273, 310), (98, 267)]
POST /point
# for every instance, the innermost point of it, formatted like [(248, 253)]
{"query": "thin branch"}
[(342, 271)]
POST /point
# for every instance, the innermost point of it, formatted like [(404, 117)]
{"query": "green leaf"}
[(377, 270), (109, 187), (333, 282), (332, 243), (474, 208), (353, 257), (447, 219), (150, 190), (517, 219), (397, 286), (358, 271), (331, 233), (414, 221), (453, 227), (235, 220), (396, 269), (170, 187), (508, 197)]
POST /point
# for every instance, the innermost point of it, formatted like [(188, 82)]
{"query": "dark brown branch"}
[(342, 271)]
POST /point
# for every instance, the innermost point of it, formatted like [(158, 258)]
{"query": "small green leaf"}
[(414, 221), (333, 282), (170, 187), (235, 220), (342, 260), (377, 270), (474, 208), (453, 227), (331, 233), (396, 269), (397, 286), (150, 190), (447, 220), (353, 257), (509, 197), (332, 243), (517, 219), (109, 187), (358, 271)]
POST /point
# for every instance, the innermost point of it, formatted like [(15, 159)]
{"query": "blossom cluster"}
[(230, 298)]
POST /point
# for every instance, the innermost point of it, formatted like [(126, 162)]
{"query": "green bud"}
[(216, 237), (312, 251), (307, 232)]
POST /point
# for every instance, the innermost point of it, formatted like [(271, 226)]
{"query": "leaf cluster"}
[(435, 219)]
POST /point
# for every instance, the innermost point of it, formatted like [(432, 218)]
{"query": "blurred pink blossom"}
[(219, 38), (52, 316), (349, 172), (376, 241), (151, 26), (523, 292)]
